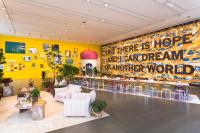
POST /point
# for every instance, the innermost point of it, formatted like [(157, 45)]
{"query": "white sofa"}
[(65, 92), (79, 104)]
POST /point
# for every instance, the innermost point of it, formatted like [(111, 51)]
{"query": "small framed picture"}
[(32, 50), (41, 66), (27, 58), (33, 65), (55, 47), (45, 47), (68, 53), (1, 67)]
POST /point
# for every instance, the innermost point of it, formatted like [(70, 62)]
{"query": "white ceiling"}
[(121, 19)]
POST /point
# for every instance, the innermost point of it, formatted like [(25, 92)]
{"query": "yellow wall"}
[(35, 73)]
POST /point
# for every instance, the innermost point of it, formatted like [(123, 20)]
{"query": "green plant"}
[(95, 70), (45, 83), (35, 93), (68, 71), (54, 61), (59, 78), (6, 81), (98, 105), (2, 61)]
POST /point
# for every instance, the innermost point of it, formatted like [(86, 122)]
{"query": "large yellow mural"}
[(172, 54)]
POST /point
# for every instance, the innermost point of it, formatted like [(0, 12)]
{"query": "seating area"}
[(99, 66)]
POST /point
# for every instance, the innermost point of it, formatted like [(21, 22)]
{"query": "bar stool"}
[(119, 87), (180, 95), (152, 92), (100, 85), (129, 88), (166, 93), (137, 89)]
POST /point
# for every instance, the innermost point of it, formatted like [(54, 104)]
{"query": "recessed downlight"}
[(105, 4), (169, 4)]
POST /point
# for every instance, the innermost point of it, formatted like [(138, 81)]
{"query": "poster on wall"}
[(75, 53), (1, 66), (55, 47), (45, 47), (69, 61), (27, 58), (32, 50), (15, 47), (21, 66), (67, 53)]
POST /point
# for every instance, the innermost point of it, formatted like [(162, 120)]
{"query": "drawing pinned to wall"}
[(33, 65), (32, 50), (55, 47), (41, 65), (70, 61), (45, 47), (21, 66), (42, 55), (1, 67), (75, 53), (35, 57), (67, 53), (27, 58), (15, 47), (58, 59)]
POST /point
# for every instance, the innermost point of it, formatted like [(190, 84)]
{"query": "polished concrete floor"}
[(135, 114)]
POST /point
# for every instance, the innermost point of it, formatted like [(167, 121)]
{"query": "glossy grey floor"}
[(135, 114)]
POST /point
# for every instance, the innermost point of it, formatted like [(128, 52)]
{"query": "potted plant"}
[(98, 106), (35, 93), (7, 91), (68, 72), (95, 71)]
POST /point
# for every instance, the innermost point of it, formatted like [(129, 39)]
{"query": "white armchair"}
[(79, 104), (65, 92)]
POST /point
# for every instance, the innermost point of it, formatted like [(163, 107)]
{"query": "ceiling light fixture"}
[(87, 0), (102, 20), (169, 4), (106, 5)]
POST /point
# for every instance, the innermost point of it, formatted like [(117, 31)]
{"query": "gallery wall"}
[(170, 54), (22, 67)]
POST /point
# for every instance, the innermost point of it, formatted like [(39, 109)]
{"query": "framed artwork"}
[(69, 61), (42, 55), (67, 53), (45, 47), (15, 47), (27, 58), (55, 47), (33, 65), (41, 66), (21, 66), (35, 57), (1, 67), (32, 50)]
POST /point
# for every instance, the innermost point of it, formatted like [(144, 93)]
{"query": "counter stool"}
[(100, 85), (166, 93), (119, 87), (129, 88), (137, 89), (179, 94), (152, 92)]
